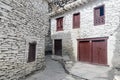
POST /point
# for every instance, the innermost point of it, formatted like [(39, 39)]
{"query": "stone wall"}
[(87, 29), (48, 41), (21, 22)]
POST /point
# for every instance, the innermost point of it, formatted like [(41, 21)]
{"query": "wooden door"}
[(84, 51), (32, 52), (99, 51), (93, 50), (58, 47)]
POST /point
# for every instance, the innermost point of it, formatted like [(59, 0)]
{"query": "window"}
[(59, 24), (32, 52), (76, 20), (99, 15)]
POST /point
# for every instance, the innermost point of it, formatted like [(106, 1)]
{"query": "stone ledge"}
[(68, 7)]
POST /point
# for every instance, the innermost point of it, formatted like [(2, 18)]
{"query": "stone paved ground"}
[(80, 71), (91, 72), (53, 71)]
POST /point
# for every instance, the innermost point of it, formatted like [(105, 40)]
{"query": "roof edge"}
[(68, 7)]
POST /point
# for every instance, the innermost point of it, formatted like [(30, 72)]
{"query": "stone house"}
[(87, 31), (23, 27)]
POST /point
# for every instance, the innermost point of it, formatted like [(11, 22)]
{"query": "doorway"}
[(93, 50), (58, 47)]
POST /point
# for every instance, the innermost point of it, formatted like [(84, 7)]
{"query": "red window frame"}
[(99, 15), (59, 24), (76, 20)]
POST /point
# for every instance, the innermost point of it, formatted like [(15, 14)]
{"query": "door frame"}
[(90, 40), (55, 48)]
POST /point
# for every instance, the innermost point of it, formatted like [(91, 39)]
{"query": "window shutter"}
[(76, 20), (59, 24), (73, 21), (32, 52), (99, 16), (75, 24)]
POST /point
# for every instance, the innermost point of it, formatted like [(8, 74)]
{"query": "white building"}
[(88, 31)]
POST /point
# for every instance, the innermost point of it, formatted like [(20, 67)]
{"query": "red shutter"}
[(73, 21), (60, 24), (76, 20), (98, 19), (75, 24)]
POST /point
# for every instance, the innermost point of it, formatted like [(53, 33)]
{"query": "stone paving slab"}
[(69, 77), (53, 71), (90, 72)]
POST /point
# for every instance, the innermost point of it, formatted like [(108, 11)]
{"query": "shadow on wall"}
[(68, 46), (116, 56), (48, 52), (69, 52)]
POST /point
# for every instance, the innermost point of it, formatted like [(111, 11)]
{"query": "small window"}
[(32, 52), (76, 20), (59, 24), (99, 15)]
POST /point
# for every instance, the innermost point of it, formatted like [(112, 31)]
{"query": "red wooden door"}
[(58, 47), (99, 51), (84, 51), (93, 50)]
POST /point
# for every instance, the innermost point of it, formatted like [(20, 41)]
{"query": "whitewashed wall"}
[(87, 28)]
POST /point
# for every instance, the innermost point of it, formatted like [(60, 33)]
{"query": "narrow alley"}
[(59, 39), (53, 71)]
